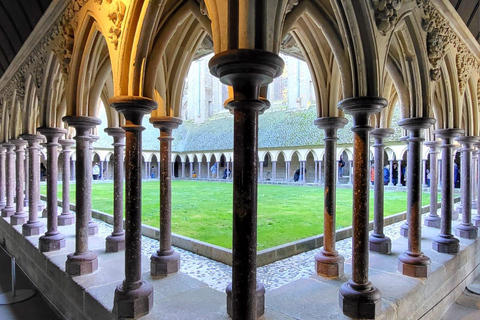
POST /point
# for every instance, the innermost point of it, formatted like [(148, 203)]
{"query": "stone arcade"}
[(365, 57)]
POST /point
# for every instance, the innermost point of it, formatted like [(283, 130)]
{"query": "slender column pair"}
[(82, 261), (2, 177), (466, 229), (445, 242), (246, 70), (67, 217), (165, 261), (328, 262), (9, 209), (378, 241), (358, 298), (92, 225), (33, 226), (27, 191), (116, 241), (476, 218), (413, 262), (433, 219), (404, 227), (133, 297), (52, 240), (19, 217)]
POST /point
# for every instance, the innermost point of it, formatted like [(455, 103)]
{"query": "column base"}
[(44, 213), (32, 228), (92, 228), (164, 265), (459, 208), (115, 243), (78, 265), (133, 304), (18, 219), (66, 219), (433, 221), (476, 220), (54, 242), (360, 301), (455, 215), (466, 231), (2, 204), (474, 204), (260, 291), (329, 265), (8, 211), (404, 230), (382, 245), (414, 265), (446, 244), (41, 206)]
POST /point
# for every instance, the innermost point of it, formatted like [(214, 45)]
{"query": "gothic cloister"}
[(61, 61)]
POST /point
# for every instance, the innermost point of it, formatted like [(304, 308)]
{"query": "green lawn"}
[(203, 210)]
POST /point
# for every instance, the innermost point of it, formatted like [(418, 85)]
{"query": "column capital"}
[(330, 122), (82, 122), (94, 138), (166, 122), (115, 132), (52, 135), (19, 143), (65, 143), (433, 145), (416, 123), (361, 108), (133, 108), (8, 145), (380, 133), (467, 140), (448, 133)]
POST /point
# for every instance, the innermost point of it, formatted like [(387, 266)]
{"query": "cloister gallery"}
[(377, 67)]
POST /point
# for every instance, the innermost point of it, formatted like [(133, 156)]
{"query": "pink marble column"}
[(134, 297), (432, 219), (27, 192), (52, 240), (33, 226), (116, 241), (476, 218), (82, 261), (9, 209), (165, 261), (92, 225), (2, 177), (19, 217), (66, 217)]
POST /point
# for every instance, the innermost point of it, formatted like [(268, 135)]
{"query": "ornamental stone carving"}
[(116, 14), (386, 14)]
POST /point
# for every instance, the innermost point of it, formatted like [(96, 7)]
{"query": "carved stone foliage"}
[(386, 14), (116, 14)]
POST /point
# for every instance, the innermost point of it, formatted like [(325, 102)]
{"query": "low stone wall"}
[(264, 257)]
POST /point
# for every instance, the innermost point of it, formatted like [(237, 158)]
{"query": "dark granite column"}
[(466, 229), (92, 225), (476, 218), (33, 225), (82, 261), (432, 219), (358, 298), (67, 217), (328, 262), (20, 217), (52, 240), (445, 242), (246, 70), (165, 261), (378, 241), (9, 209), (133, 297), (2, 177), (116, 241), (27, 191), (413, 262)]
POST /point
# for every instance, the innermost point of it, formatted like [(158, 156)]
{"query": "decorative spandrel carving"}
[(386, 14), (116, 14)]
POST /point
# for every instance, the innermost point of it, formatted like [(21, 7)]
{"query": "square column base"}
[(32, 229), (329, 266), (365, 304), (466, 231), (133, 304), (78, 265), (47, 243), (115, 243), (8, 211), (404, 230), (92, 228), (18, 219), (380, 245), (414, 270), (2, 204), (162, 266), (433, 222), (449, 245), (66, 219), (260, 292)]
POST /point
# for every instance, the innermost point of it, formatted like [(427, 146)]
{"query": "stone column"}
[(19, 217), (413, 262), (116, 241), (466, 229), (328, 262), (404, 227), (92, 225), (358, 298), (82, 261), (33, 226), (208, 170), (320, 165), (2, 177), (304, 171), (378, 241), (66, 217), (101, 170), (183, 170), (134, 297), (399, 183), (476, 218), (218, 170), (315, 179), (424, 173), (27, 191), (191, 169), (350, 173), (199, 174), (445, 242), (390, 183), (165, 261), (474, 175), (9, 209), (246, 105), (73, 166), (261, 171), (107, 163), (52, 240), (433, 220), (287, 171), (274, 170)]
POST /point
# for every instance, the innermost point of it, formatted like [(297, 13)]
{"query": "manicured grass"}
[(203, 210)]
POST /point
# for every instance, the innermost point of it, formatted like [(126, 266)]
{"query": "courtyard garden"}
[(203, 210)]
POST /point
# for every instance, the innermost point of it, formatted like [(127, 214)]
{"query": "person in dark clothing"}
[(395, 174), (296, 176)]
